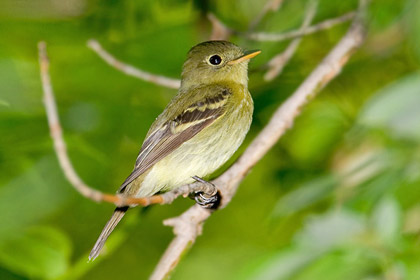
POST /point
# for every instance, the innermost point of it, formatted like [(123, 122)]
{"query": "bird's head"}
[(216, 61)]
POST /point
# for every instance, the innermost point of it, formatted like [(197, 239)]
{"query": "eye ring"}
[(215, 60)]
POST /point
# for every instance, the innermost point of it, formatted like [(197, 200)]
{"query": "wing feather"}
[(172, 134)]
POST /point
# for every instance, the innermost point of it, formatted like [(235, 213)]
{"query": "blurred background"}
[(337, 198)]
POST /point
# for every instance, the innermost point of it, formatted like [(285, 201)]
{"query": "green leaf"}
[(412, 24), (396, 108), (82, 266), (28, 198), (40, 252), (343, 264), (320, 235), (386, 220), (281, 265), (304, 196), (331, 229), (316, 133), (4, 103)]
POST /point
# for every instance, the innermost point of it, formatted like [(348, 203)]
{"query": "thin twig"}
[(277, 37), (131, 70), (277, 63), (271, 5), (189, 225), (219, 30), (56, 132), (67, 166)]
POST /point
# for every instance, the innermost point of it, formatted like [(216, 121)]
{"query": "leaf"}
[(412, 24), (329, 230), (373, 189), (40, 252), (316, 133), (26, 199), (396, 108), (343, 264), (82, 266), (281, 265), (4, 103), (320, 235), (304, 196), (387, 220)]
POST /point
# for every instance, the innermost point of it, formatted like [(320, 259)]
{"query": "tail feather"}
[(109, 227)]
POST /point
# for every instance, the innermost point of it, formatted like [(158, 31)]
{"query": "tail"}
[(112, 223)]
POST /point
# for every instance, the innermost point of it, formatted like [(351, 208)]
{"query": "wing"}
[(179, 129)]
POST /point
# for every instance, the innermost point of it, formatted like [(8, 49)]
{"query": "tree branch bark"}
[(189, 224), (277, 37), (67, 167), (131, 70), (278, 62), (219, 32)]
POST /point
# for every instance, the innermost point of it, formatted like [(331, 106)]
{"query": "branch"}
[(131, 70), (277, 37), (189, 225), (277, 63), (219, 30), (271, 5), (56, 132), (67, 167)]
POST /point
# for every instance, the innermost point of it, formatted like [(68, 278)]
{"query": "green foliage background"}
[(337, 198)]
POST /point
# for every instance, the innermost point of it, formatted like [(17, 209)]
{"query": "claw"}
[(206, 201)]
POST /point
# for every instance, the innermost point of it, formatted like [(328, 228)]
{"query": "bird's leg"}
[(209, 198)]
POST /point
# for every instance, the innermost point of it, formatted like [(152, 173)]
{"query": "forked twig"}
[(277, 63), (67, 167), (131, 70), (188, 225), (219, 32), (277, 37)]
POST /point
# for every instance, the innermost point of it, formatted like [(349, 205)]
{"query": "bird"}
[(198, 131)]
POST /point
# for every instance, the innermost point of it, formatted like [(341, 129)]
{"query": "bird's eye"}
[(215, 60)]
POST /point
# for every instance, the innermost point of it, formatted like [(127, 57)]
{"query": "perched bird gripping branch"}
[(198, 131)]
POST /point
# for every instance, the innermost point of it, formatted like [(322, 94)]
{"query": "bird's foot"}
[(209, 199), (207, 202)]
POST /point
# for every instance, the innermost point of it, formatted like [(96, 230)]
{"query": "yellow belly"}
[(200, 156)]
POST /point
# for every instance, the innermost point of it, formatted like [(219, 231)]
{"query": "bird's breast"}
[(205, 152)]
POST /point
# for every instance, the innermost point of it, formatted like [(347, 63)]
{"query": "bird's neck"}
[(187, 84)]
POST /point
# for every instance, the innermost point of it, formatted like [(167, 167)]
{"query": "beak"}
[(246, 56)]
